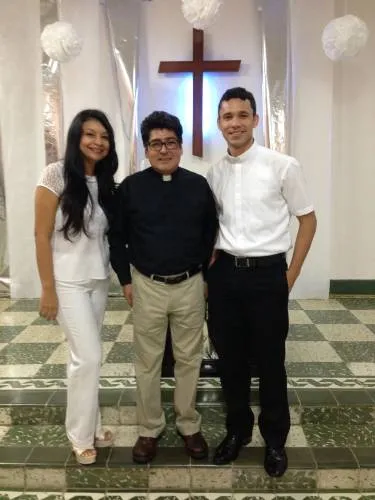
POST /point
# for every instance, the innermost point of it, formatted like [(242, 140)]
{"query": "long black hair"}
[(76, 194)]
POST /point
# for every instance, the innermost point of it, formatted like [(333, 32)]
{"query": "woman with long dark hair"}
[(72, 211)]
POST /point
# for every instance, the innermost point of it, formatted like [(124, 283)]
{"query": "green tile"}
[(355, 351), (365, 457), (128, 397), (110, 333), (47, 456), (31, 353), (37, 435), (110, 397), (206, 396), (296, 480), (32, 397), (26, 496), (7, 397), (293, 305), (352, 397), (300, 458), (338, 435), (293, 398), (89, 478), (359, 303), (314, 397), (44, 322), (320, 414), (332, 317), (129, 319), (316, 369), (250, 457), (121, 457), (128, 479), (167, 396), (218, 497), (334, 458), (31, 415), (14, 456), (167, 456), (356, 415), (117, 304), (121, 352), (251, 479), (8, 333), (51, 371), (371, 393), (305, 333), (58, 398), (24, 305)]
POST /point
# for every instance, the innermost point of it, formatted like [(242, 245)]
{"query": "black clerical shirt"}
[(162, 227)]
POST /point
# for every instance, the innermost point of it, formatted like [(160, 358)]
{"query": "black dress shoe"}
[(275, 461), (229, 448)]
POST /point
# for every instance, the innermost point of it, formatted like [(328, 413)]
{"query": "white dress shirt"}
[(256, 195)]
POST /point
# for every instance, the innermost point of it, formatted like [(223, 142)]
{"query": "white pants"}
[(80, 314)]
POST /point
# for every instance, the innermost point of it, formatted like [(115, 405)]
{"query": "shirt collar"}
[(248, 155)]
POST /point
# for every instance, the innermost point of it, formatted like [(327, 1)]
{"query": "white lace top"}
[(83, 258)]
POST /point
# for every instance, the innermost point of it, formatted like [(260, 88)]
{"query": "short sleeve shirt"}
[(83, 257)]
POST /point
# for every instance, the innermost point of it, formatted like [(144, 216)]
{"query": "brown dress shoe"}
[(144, 449), (195, 445)]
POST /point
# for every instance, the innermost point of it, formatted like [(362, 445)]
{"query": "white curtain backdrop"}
[(21, 131)]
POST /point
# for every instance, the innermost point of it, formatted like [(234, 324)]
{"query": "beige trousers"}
[(183, 305)]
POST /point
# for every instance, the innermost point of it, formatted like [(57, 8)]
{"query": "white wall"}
[(311, 131), (353, 234), (166, 35)]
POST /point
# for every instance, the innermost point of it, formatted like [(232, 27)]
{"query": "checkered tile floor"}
[(331, 343)]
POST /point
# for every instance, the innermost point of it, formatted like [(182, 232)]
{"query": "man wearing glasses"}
[(165, 226)]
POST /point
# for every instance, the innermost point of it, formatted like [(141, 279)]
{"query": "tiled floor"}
[(331, 343), (331, 368)]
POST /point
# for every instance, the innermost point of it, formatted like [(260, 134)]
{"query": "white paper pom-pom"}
[(344, 37), (200, 13), (60, 41)]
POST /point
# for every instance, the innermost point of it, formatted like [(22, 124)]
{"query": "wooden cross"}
[(198, 66)]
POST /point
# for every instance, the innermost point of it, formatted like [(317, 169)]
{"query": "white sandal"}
[(104, 440), (85, 456)]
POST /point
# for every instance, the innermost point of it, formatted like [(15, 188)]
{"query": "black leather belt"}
[(177, 278), (253, 262)]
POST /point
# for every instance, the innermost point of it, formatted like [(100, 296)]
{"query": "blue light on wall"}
[(210, 101)]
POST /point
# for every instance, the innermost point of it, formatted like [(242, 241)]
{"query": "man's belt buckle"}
[(242, 262)]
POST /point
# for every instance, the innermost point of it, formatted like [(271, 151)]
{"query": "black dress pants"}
[(248, 319)]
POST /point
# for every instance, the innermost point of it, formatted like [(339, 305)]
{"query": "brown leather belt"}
[(178, 278)]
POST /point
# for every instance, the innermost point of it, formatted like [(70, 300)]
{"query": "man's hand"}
[(127, 290), (291, 277)]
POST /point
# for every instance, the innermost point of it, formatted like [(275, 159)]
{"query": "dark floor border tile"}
[(316, 397), (46, 456), (336, 458), (352, 287), (365, 457), (14, 456)]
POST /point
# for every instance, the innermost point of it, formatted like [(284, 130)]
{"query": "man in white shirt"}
[(257, 191)]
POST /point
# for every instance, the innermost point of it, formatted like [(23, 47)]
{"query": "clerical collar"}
[(246, 156), (165, 177)]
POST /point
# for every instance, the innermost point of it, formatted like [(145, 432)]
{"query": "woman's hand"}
[(48, 304)]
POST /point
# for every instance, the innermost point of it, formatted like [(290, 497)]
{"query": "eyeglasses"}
[(170, 145)]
